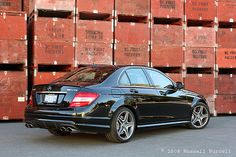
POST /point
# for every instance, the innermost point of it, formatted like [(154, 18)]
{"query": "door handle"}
[(133, 91)]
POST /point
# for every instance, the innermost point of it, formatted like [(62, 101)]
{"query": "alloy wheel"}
[(200, 116), (125, 125)]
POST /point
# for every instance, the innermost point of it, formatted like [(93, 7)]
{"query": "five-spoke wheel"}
[(122, 126), (200, 116)]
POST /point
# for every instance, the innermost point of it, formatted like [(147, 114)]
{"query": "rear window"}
[(91, 74)]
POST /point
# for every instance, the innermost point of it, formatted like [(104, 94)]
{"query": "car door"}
[(172, 104), (139, 94)]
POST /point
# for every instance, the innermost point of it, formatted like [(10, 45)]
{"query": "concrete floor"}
[(218, 139)]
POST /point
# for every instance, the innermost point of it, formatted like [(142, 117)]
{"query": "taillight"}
[(83, 99), (30, 101)]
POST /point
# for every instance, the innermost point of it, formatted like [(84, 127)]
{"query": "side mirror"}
[(179, 85)]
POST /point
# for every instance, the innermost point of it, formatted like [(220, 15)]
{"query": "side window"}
[(124, 80), (137, 77), (159, 80)]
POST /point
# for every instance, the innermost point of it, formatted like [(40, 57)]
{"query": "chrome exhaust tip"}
[(69, 129), (26, 125), (63, 129)]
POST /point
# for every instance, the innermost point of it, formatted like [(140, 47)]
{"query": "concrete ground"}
[(218, 139)]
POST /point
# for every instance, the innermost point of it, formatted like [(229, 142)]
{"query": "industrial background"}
[(193, 41)]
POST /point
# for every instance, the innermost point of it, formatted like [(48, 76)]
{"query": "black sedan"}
[(115, 101)]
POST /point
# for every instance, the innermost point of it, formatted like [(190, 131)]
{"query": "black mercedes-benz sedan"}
[(115, 101)]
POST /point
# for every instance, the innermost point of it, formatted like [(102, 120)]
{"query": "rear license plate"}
[(50, 98)]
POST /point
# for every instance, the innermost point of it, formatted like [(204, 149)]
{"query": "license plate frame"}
[(50, 98)]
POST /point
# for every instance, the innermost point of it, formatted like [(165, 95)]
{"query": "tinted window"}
[(159, 80), (137, 77), (124, 81), (91, 74)]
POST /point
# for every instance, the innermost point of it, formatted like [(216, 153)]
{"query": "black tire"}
[(206, 113), (113, 135), (57, 132)]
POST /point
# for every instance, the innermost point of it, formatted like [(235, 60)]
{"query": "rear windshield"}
[(91, 74)]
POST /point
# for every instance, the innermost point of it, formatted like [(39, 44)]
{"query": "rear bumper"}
[(56, 121)]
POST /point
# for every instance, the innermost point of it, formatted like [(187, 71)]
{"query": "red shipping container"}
[(53, 29), (95, 6), (226, 10), (167, 8), (13, 26), (133, 7), (13, 51), (200, 57), (175, 77), (13, 100), (198, 82), (226, 84), (226, 37), (94, 31), (226, 57), (131, 54), (56, 5), (53, 53), (200, 37), (46, 77), (167, 35), (93, 53), (226, 104), (162, 56), (200, 10), (11, 5), (132, 33)]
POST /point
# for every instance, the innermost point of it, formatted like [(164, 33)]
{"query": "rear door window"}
[(137, 77)]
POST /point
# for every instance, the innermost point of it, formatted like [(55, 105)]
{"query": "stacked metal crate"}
[(13, 60)]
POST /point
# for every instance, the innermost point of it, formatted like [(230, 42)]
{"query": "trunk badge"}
[(49, 88)]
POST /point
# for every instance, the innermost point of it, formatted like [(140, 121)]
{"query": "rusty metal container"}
[(226, 37), (13, 26), (13, 52), (226, 84), (226, 10), (93, 53), (13, 90), (132, 7), (53, 53), (200, 57), (162, 56), (94, 31), (198, 82), (226, 57), (11, 5), (200, 10), (130, 33), (95, 6), (167, 35), (52, 29), (167, 8), (200, 37), (131, 54), (225, 104), (55, 5)]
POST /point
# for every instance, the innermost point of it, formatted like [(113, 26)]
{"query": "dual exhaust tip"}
[(63, 129), (66, 129)]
